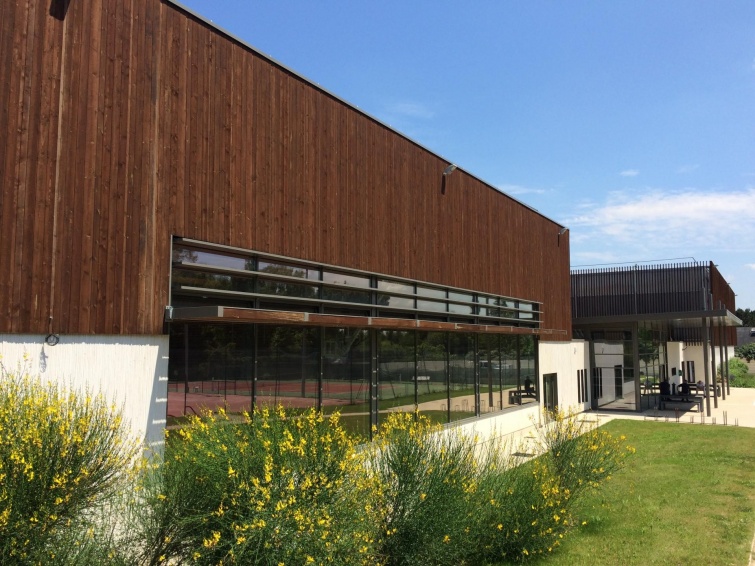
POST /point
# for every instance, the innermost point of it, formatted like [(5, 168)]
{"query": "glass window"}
[(460, 309), (289, 270), (396, 383), (397, 302), (461, 370), (214, 372), (461, 297), (432, 367), (346, 377), (288, 360), (205, 280), (190, 255), (273, 287), (395, 287), (491, 373), (345, 279), (434, 306), (432, 292), (345, 295)]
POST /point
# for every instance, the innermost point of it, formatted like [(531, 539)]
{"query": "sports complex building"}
[(188, 224)]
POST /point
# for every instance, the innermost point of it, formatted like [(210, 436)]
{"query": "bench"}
[(695, 399), (515, 396)]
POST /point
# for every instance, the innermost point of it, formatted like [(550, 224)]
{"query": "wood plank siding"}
[(124, 122)]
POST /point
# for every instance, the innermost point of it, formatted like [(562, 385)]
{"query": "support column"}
[(373, 380), (706, 365), (477, 375), (713, 362), (636, 364), (726, 355), (721, 331)]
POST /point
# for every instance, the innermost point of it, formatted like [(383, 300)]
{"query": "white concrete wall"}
[(565, 359), (501, 424), (696, 353), (675, 354), (131, 371)]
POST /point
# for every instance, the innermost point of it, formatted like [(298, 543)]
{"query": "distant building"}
[(745, 335), (648, 323)]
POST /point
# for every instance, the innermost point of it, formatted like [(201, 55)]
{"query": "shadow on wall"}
[(59, 8)]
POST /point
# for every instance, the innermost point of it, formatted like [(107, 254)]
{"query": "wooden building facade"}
[(127, 125)]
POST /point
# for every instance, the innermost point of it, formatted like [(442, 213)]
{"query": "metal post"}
[(186, 364), (448, 375), (477, 375), (706, 366), (373, 380), (636, 363), (721, 360), (726, 353), (713, 362), (254, 368)]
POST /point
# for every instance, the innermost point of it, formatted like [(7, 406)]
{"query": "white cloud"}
[(629, 173), (750, 265), (687, 169), (591, 258), (654, 223), (520, 190), (410, 109)]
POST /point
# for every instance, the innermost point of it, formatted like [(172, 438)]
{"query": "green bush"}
[(428, 483), (737, 372), (274, 489), (747, 351), (63, 461), (448, 500)]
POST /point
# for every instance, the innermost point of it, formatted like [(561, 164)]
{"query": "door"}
[(550, 391)]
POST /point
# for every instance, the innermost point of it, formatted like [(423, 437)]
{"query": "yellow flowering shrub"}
[(268, 489), (63, 455)]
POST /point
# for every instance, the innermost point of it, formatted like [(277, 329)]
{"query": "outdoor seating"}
[(663, 400)]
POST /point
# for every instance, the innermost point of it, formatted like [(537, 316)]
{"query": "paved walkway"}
[(737, 410)]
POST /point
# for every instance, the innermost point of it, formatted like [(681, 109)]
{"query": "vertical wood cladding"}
[(127, 121)]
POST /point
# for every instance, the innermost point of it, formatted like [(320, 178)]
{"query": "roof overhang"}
[(257, 316), (692, 319)]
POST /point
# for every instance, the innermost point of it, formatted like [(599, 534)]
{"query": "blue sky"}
[(630, 122)]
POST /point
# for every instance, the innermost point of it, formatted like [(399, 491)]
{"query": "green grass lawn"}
[(687, 497)]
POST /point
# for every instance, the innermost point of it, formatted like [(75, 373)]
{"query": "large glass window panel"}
[(491, 373), (345, 279), (433, 306), (510, 368), (345, 295), (346, 377), (432, 366), (461, 297), (527, 366), (613, 373), (217, 259), (285, 288), (461, 369), (396, 376), (460, 309), (209, 280), (395, 287), (287, 366), (396, 302), (210, 367), (289, 270), (432, 292)]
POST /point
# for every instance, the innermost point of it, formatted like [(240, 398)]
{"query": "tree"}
[(747, 351), (747, 316)]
